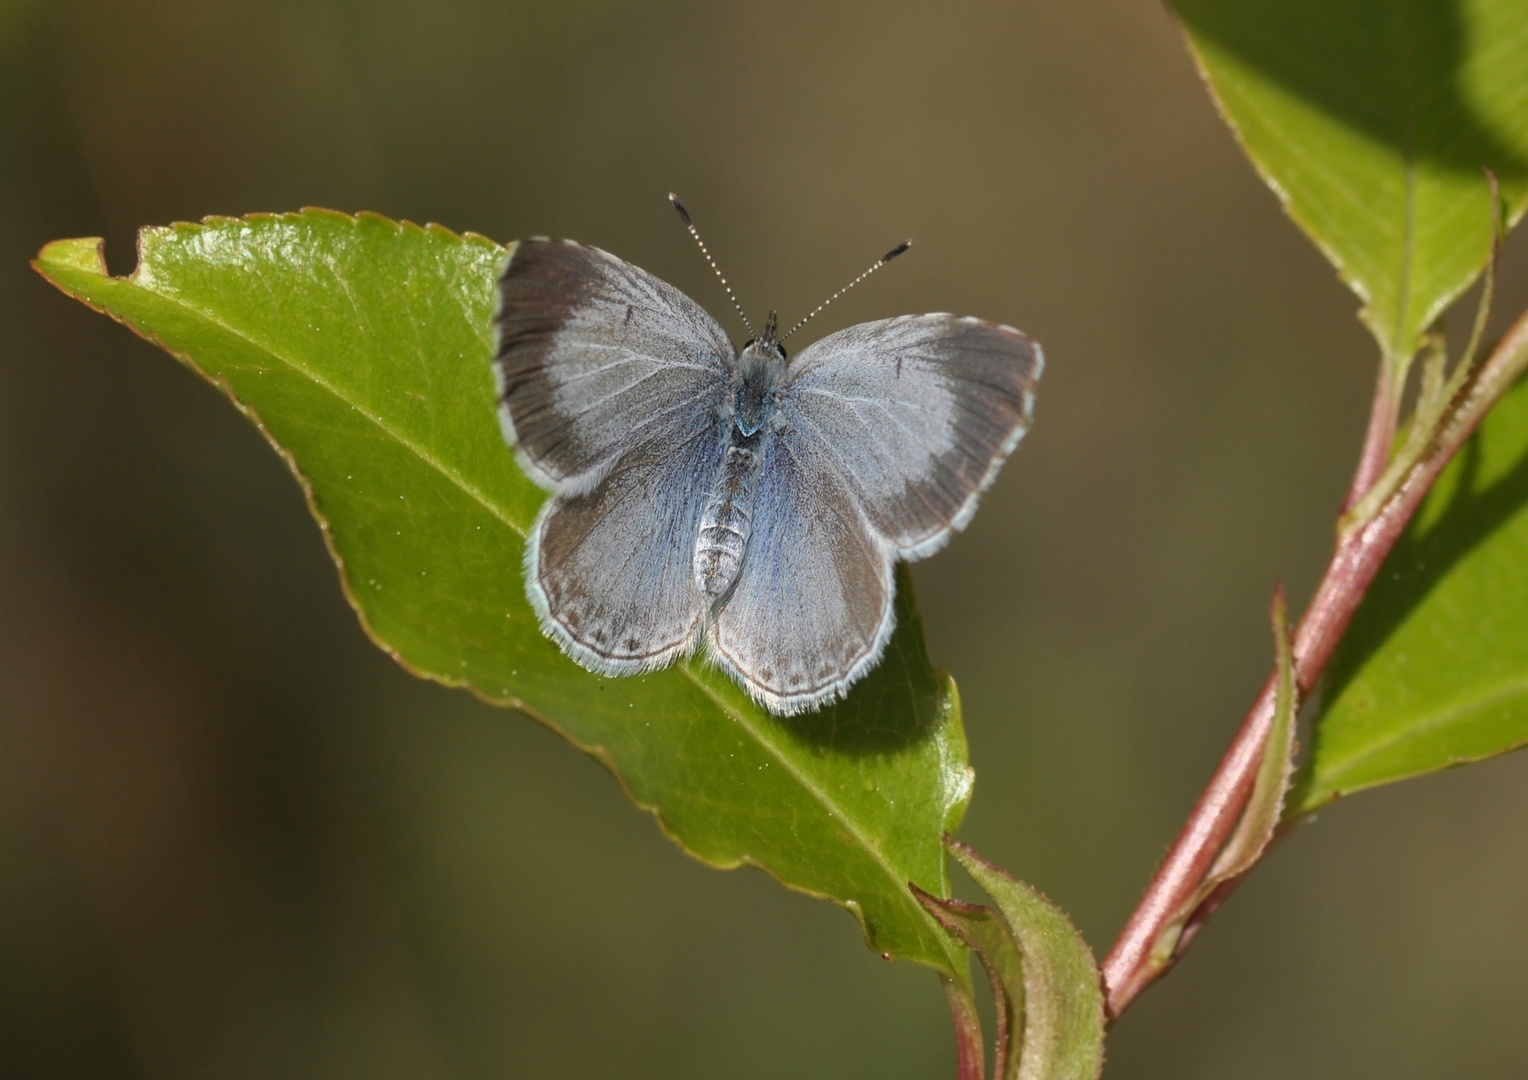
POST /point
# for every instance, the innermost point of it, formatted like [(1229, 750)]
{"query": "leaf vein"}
[(1440, 719), (825, 800), (470, 489)]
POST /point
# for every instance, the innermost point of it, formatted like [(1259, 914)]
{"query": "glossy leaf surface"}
[(1433, 671), (360, 347), (1372, 120)]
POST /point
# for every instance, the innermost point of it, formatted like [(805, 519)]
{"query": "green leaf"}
[(1049, 995), (360, 348), (1372, 120), (1265, 806), (1433, 670)]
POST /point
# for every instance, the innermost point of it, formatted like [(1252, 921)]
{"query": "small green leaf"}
[(1433, 671), (360, 347), (1265, 806), (1372, 120), (1046, 984)]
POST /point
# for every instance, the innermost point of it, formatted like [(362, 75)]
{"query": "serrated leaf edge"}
[(597, 751)]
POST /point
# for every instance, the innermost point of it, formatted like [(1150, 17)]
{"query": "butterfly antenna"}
[(684, 215), (892, 254)]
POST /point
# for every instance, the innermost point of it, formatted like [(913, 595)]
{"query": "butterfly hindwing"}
[(611, 573), (595, 356), (811, 611), (917, 414)]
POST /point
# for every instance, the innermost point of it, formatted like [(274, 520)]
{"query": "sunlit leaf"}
[(1372, 120), (360, 347), (1433, 671)]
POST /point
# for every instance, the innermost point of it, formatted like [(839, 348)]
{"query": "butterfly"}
[(706, 494)]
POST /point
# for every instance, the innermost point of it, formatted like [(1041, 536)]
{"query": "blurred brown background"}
[(237, 841)]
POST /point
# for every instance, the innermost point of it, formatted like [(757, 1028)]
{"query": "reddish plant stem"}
[(970, 1053), (1378, 439), (1222, 893), (1131, 966)]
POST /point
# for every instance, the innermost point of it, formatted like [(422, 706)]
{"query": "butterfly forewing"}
[(595, 356), (917, 413), (811, 611)]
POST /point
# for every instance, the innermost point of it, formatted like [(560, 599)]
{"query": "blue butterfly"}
[(703, 493)]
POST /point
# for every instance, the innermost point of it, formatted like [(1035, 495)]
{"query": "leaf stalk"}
[(970, 1050)]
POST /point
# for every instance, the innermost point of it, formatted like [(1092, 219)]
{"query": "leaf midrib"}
[(815, 791), (1400, 341), (822, 797), (212, 319)]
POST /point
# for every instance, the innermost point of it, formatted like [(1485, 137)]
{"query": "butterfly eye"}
[(779, 349)]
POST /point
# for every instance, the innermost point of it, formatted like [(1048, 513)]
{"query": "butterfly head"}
[(768, 343)]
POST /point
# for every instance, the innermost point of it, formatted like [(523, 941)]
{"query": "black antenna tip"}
[(894, 252), (683, 213)]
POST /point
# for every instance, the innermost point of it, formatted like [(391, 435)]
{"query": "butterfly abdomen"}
[(728, 517)]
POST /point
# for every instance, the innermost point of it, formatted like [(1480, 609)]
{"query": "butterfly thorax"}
[(762, 367), (728, 515)]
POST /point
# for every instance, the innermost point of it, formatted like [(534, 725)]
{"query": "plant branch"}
[(1361, 550)]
